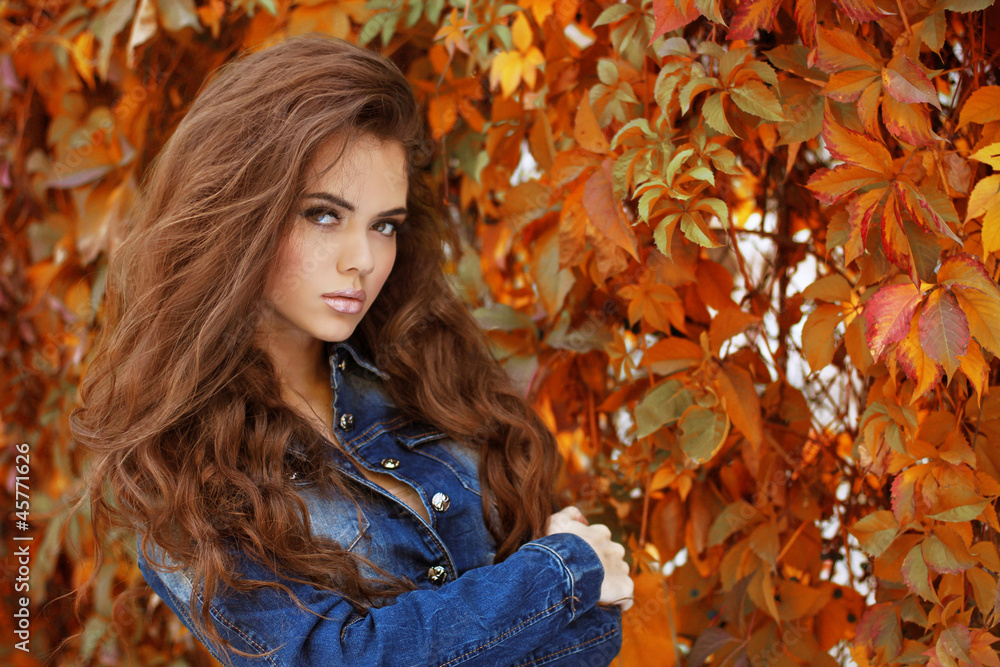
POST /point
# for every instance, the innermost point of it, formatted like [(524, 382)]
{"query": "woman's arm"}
[(535, 608)]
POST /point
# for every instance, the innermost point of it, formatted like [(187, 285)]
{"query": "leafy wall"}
[(748, 276)]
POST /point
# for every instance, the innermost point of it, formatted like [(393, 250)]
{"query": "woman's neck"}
[(304, 372)]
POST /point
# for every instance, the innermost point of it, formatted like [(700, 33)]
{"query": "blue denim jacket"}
[(537, 607)]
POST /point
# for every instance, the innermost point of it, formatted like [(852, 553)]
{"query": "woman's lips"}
[(344, 304)]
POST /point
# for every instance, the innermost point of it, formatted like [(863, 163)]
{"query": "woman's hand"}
[(617, 587)]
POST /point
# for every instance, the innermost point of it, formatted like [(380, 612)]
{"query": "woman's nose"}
[(356, 253)]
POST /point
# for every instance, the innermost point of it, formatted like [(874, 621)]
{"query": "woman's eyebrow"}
[(343, 203)]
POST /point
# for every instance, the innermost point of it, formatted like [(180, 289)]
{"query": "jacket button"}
[(437, 574), (390, 464), (342, 364), (441, 502), (346, 421)]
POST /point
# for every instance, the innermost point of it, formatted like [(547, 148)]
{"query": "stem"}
[(902, 14)]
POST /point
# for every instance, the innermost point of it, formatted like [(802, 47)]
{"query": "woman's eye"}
[(317, 214), (387, 227)]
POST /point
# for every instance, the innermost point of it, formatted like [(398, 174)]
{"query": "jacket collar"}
[(337, 350)]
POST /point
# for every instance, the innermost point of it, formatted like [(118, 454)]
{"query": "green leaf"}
[(735, 517), (916, 576), (757, 99), (715, 116), (702, 432), (614, 13), (661, 406)]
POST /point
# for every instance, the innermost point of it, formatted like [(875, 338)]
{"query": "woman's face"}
[(343, 239)]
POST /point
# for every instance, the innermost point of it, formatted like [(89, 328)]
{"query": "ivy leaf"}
[(861, 10), (945, 551), (876, 531), (916, 576), (818, 335), (856, 148), (944, 330), (672, 14), (751, 16), (880, 634), (838, 50), (702, 432), (888, 314), (983, 106), (906, 82), (989, 154), (764, 542), (661, 406), (755, 98), (923, 371), (605, 212), (742, 402)]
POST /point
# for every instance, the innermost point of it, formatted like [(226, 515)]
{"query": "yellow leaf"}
[(991, 226), (521, 33), (975, 368), (989, 154), (82, 55), (506, 70), (982, 106)]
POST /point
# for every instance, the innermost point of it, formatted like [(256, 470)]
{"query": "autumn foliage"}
[(742, 254)]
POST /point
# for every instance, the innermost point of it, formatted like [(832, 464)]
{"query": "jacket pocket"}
[(462, 460), (337, 518)]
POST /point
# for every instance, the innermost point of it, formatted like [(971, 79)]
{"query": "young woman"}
[(323, 462)]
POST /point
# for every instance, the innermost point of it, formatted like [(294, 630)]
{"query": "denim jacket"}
[(537, 607)]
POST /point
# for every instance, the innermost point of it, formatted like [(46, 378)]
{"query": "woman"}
[(322, 460)]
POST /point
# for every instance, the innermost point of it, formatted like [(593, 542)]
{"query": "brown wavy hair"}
[(179, 408)]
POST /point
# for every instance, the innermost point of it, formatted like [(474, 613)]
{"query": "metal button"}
[(441, 502), (437, 574), (347, 421), (390, 464), (342, 364)]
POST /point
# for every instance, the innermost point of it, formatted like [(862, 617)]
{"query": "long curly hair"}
[(181, 411)]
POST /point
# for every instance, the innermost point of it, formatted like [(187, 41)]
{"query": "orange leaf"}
[(818, 335), (672, 14), (587, 131), (856, 148), (727, 324), (742, 402), (605, 212)]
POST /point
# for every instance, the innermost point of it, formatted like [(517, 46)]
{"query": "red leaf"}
[(860, 10), (920, 209), (908, 122), (672, 14), (965, 270), (753, 15), (888, 314), (944, 330), (906, 81)]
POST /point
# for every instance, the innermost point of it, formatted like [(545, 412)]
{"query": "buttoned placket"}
[(344, 422)]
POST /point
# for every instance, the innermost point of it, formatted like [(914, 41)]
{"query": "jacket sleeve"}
[(538, 607)]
